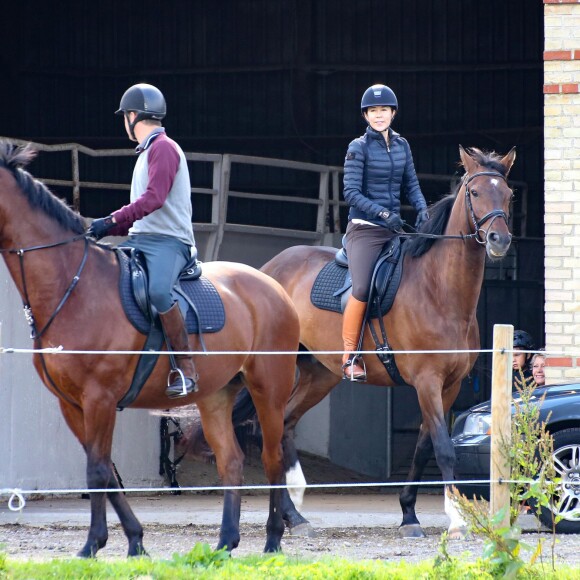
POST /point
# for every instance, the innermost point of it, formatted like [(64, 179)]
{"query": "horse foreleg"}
[(99, 422), (215, 413), (131, 525), (433, 407), (410, 526), (98, 534)]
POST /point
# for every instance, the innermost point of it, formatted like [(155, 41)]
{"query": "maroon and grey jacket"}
[(160, 192)]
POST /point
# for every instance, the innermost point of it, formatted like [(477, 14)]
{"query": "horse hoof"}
[(303, 531), (137, 551), (411, 531), (461, 533)]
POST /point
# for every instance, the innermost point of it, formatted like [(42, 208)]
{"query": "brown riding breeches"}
[(363, 247)]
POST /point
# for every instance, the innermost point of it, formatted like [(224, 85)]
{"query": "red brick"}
[(562, 361), (558, 55), (570, 88)]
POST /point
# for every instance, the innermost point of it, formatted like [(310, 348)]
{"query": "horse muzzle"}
[(497, 244)]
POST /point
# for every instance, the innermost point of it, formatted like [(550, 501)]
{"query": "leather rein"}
[(20, 252)]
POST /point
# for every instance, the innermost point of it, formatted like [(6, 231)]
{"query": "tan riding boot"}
[(351, 329), (174, 327)]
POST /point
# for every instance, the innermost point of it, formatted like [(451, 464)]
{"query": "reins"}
[(43, 247)]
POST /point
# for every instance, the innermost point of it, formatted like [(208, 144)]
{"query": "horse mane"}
[(440, 211), (14, 158), (439, 214)]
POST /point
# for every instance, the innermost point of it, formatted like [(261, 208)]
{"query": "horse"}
[(434, 308), (69, 287)]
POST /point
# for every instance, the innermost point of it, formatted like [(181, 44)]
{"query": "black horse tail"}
[(246, 424)]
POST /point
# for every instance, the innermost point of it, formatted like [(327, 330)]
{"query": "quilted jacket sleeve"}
[(354, 166)]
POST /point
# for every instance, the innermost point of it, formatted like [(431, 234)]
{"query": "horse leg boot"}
[(176, 334), (351, 329)]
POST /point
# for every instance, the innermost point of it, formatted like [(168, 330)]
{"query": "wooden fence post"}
[(501, 417)]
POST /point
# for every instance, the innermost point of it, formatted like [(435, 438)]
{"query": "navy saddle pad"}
[(201, 292), (333, 282), (329, 280)]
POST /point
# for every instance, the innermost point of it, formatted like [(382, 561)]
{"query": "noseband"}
[(492, 215)]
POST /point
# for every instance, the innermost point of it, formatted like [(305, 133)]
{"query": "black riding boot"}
[(186, 378)]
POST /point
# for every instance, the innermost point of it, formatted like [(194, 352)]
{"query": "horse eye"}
[(474, 193)]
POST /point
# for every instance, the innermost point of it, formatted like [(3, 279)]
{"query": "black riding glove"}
[(393, 221), (100, 227), (422, 217)]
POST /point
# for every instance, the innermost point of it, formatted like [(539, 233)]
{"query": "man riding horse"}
[(158, 220)]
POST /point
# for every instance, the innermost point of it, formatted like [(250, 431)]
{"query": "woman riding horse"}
[(377, 167)]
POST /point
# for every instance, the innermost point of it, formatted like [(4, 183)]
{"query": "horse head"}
[(488, 198)]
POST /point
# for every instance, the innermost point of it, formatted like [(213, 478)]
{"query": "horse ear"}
[(466, 160), (509, 159)]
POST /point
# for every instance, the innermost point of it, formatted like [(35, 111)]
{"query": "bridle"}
[(492, 215), (470, 213)]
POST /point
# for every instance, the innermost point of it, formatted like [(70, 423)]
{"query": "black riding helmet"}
[(523, 340), (145, 100), (378, 96)]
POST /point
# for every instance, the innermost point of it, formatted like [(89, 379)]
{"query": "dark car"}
[(471, 438)]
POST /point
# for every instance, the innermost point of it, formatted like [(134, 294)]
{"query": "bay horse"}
[(434, 309), (69, 286)]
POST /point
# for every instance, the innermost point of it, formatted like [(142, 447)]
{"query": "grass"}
[(204, 563)]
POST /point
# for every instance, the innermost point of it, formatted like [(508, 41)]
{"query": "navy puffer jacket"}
[(374, 176)]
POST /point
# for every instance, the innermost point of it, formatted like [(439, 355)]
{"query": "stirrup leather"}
[(347, 369)]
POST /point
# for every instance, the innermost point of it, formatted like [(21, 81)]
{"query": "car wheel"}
[(566, 501)]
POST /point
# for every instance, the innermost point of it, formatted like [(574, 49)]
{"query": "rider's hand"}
[(392, 220), (422, 217), (100, 227)]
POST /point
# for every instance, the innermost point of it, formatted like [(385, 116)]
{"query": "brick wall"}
[(562, 186)]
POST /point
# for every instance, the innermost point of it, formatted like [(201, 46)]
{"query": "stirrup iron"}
[(172, 391), (347, 367)]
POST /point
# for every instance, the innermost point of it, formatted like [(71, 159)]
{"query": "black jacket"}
[(374, 176)]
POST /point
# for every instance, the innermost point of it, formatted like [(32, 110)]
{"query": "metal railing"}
[(328, 200)]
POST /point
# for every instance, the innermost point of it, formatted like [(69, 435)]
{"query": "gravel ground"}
[(162, 541), (357, 524)]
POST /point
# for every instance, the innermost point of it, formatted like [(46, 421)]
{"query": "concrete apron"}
[(323, 511)]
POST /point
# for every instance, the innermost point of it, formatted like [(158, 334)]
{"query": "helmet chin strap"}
[(138, 117)]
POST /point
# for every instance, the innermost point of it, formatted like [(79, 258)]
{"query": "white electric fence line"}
[(62, 350), (18, 494)]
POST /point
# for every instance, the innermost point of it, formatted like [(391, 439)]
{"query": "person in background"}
[(158, 220), (522, 370), (538, 364), (378, 168)]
